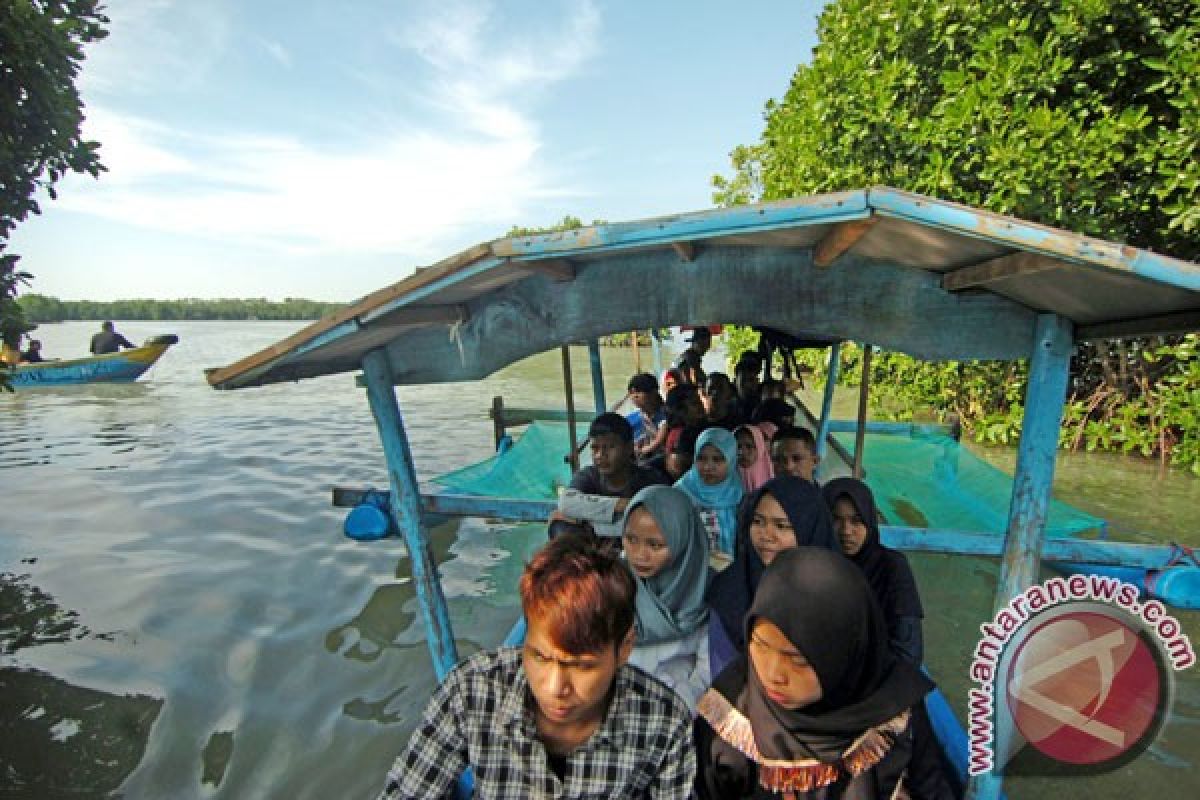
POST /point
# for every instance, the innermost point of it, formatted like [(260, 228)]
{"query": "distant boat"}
[(124, 367)]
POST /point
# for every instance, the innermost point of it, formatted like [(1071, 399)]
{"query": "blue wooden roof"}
[(905, 272)]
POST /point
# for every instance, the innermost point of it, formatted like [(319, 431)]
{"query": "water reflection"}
[(57, 739)]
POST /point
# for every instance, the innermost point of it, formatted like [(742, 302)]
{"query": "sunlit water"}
[(181, 616)]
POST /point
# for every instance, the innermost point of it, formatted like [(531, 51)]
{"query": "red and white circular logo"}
[(1085, 688)]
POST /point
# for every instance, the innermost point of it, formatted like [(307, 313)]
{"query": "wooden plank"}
[(831, 379), (569, 392), (546, 414), (997, 269), (900, 537), (366, 305), (686, 250), (1073, 551), (864, 390), (557, 269), (839, 239), (421, 315), (1181, 322)]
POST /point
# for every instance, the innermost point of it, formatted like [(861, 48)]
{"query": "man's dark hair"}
[(643, 382), (611, 422), (798, 434)]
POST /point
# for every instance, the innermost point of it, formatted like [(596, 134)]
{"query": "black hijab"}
[(824, 607), (886, 570), (731, 592)]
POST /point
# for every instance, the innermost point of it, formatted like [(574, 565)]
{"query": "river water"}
[(181, 617)]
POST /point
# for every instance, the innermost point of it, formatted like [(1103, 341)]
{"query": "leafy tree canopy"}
[(1081, 114), (41, 49)]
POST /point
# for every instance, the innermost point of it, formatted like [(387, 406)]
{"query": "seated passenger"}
[(856, 523), (754, 457), (685, 412), (783, 514), (690, 359), (773, 389), (794, 452), (667, 548), (670, 379), (599, 493), (682, 454), (649, 419), (541, 720), (721, 402), (779, 412), (34, 354), (819, 707), (746, 380), (715, 487)]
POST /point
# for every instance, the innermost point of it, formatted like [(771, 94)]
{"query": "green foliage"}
[(568, 223), (739, 340), (41, 308), (41, 48), (1081, 114)]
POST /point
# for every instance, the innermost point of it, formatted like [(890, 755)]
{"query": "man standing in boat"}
[(108, 340), (564, 715)]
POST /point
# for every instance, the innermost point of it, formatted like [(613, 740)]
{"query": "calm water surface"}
[(181, 617)]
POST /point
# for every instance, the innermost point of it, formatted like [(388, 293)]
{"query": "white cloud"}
[(404, 188), (276, 51), (149, 40)]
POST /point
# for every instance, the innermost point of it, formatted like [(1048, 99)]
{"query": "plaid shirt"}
[(479, 717)]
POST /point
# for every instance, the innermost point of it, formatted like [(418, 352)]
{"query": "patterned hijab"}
[(824, 606), (761, 470), (670, 605), (726, 495)]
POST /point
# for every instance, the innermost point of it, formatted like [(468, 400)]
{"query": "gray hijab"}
[(671, 604)]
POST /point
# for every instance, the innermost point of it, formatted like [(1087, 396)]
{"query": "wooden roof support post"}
[(1044, 397), (406, 510), (864, 390), (831, 379), (597, 376), (569, 391)]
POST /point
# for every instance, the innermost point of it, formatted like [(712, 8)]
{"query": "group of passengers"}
[(788, 665), (107, 340)]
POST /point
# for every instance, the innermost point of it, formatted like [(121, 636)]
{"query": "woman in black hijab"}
[(784, 512), (856, 522), (819, 707)]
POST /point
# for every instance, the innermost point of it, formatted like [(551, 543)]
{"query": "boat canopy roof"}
[(890, 268)]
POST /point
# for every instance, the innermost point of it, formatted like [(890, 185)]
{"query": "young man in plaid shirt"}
[(563, 716)]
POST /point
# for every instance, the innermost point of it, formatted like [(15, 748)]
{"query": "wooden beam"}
[(560, 270), (1180, 322), (422, 315), (840, 238), (686, 250), (997, 269)]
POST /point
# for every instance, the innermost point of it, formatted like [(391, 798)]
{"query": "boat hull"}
[(124, 367)]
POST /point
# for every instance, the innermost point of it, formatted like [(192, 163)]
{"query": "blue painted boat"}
[(888, 268), (123, 367)]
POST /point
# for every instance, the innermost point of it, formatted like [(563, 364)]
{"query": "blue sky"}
[(263, 148)]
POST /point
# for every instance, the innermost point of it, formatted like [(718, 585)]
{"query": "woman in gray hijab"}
[(667, 548)]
